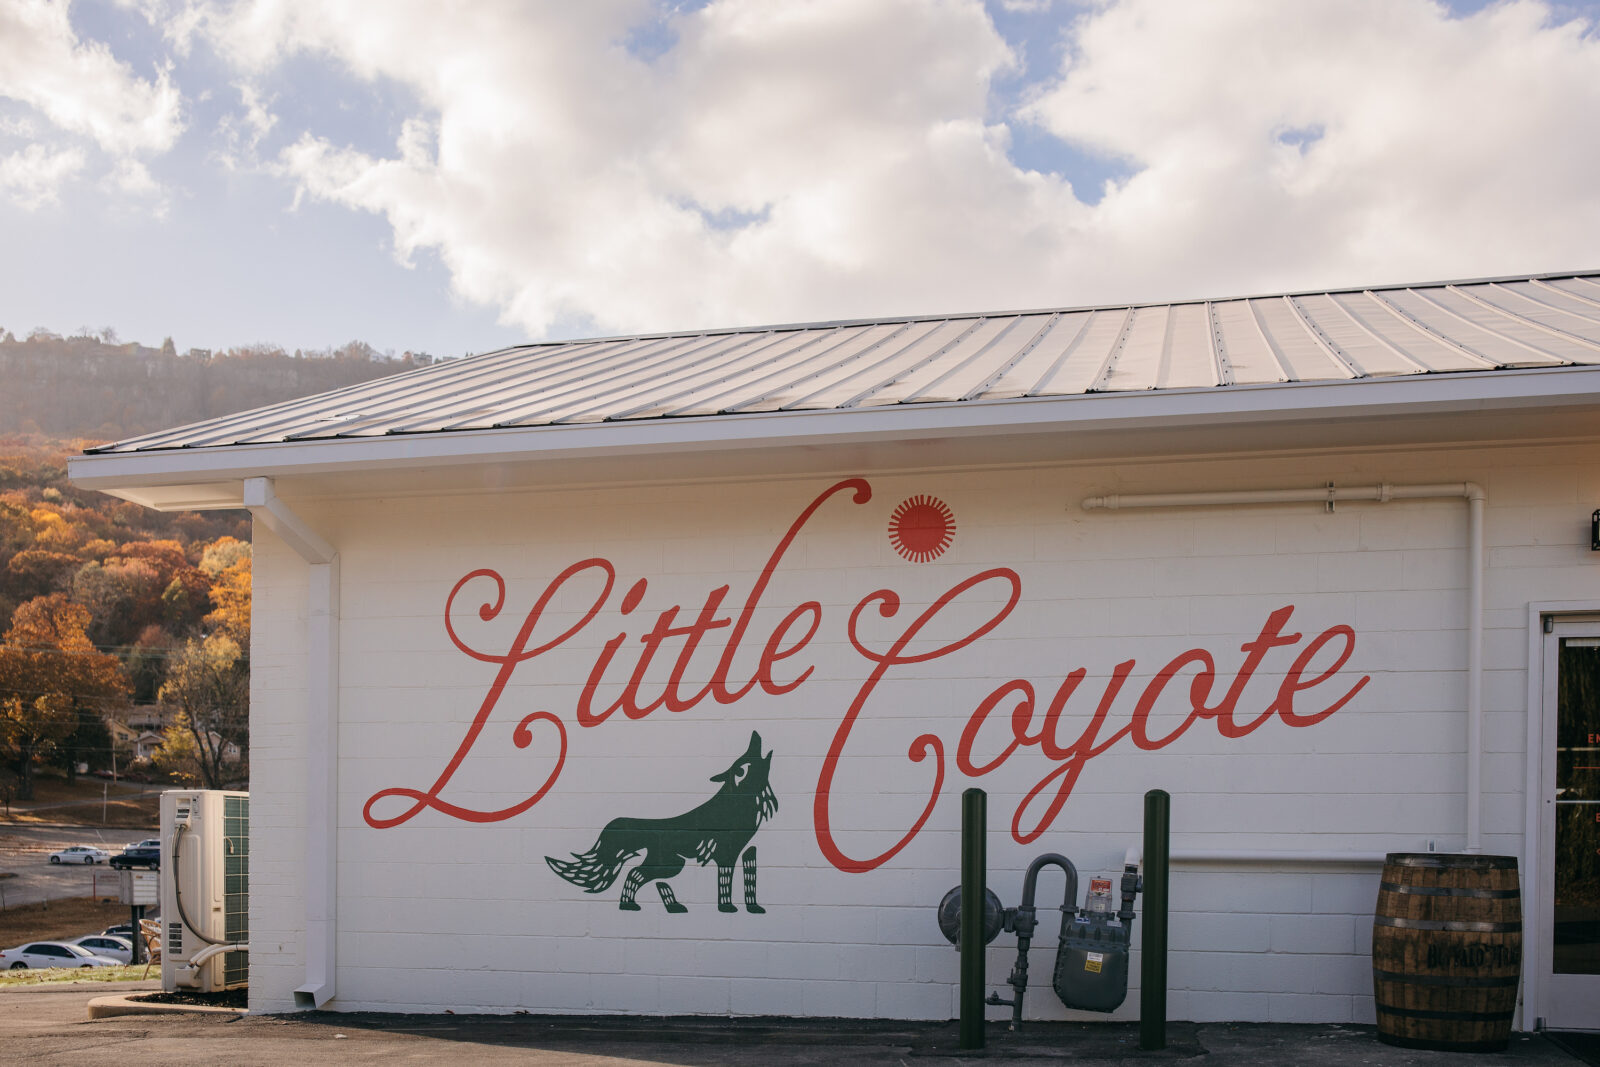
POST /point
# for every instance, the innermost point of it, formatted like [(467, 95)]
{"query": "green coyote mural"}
[(715, 832)]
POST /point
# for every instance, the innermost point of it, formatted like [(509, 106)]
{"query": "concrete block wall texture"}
[(439, 912)]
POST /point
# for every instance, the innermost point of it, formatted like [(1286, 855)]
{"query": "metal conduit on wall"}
[(1383, 493)]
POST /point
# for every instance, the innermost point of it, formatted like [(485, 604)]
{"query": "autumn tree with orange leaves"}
[(152, 584), (49, 672)]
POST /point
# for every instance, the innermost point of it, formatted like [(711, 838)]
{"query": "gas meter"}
[(1091, 972)]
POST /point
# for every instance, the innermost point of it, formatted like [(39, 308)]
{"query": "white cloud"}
[(779, 160), (1316, 143), (33, 176), (16, 126), (80, 87), (832, 158), (133, 178), (241, 132)]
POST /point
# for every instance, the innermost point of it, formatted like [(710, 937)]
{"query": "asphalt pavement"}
[(49, 1025), (25, 855)]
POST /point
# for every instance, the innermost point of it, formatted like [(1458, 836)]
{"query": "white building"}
[(503, 601)]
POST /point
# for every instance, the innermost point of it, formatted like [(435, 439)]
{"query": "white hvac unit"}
[(205, 889)]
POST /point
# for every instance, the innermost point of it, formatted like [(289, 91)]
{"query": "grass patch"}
[(39, 976), (59, 920), (87, 802)]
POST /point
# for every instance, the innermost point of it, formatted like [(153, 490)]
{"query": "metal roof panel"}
[(1252, 359), (1548, 305), (1304, 356), (1367, 352), (1080, 367), (1306, 338), (963, 364), (1037, 360), (1408, 336)]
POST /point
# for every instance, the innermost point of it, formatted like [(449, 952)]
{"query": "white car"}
[(149, 842), (52, 954), (80, 854), (112, 948)]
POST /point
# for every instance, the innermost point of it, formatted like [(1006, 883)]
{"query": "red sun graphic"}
[(921, 528)]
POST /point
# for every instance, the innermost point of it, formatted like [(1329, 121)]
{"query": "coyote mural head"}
[(749, 773)]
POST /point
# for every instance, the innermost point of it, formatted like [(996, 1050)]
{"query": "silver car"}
[(80, 854), (52, 954), (112, 948)]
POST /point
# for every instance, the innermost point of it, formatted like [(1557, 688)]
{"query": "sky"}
[(455, 178)]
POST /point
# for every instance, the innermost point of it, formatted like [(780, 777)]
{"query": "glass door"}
[(1570, 840)]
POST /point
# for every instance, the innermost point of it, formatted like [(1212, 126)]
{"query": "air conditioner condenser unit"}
[(205, 889)]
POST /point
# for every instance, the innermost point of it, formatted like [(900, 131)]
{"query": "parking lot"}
[(25, 857)]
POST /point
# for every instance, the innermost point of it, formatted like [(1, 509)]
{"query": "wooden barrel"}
[(1447, 951)]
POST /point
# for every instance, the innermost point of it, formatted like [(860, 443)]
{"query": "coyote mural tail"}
[(715, 832)]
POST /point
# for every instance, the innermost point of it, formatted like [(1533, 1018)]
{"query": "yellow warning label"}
[(1092, 961)]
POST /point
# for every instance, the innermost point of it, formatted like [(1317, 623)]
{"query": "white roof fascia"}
[(208, 470)]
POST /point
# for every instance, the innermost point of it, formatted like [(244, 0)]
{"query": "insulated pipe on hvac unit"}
[(322, 734), (1382, 493), (219, 949)]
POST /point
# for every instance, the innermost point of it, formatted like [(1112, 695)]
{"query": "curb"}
[(129, 1004)]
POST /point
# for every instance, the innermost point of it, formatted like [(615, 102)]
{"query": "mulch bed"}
[(228, 998)]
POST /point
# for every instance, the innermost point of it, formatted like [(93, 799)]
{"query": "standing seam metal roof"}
[(1540, 321)]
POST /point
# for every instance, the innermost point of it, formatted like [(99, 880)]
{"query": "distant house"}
[(230, 751), (147, 744), (122, 735), (148, 717)]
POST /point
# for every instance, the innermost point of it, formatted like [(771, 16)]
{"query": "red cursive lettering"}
[(522, 736), (778, 670), (888, 603)]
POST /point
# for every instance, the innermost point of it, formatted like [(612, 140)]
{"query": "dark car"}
[(125, 929), (137, 856)]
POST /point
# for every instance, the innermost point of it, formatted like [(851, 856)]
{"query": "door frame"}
[(1534, 964)]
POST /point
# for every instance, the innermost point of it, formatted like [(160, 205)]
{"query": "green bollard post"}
[(974, 878), (1153, 957)]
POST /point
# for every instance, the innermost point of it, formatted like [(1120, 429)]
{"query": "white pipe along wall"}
[(1383, 493), (322, 734)]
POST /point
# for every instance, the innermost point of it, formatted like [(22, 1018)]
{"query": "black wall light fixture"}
[(1594, 531)]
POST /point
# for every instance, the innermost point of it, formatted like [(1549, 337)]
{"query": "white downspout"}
[(322, 734), (1383, 494), (1476, 498)]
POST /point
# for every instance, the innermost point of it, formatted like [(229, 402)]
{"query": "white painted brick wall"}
[(439, 913)]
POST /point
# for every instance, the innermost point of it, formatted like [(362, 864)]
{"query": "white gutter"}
[(322, 734), (1383, 494)]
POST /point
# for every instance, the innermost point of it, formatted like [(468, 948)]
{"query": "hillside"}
[(116, 620), (86, 387)]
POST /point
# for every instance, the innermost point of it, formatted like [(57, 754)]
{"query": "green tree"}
[(89, 742), (147, 663), (208, 681), (31, 729), (177, 757)]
